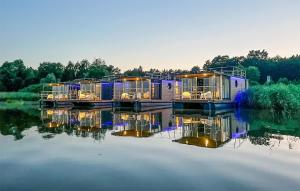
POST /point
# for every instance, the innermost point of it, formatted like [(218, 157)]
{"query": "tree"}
[(257, 54), (97, 69), (81, 69), (69, 72), (253, 73), (50, 78), (135, 72), (12, 75), (46, 68), (195, 70), (283, 81), (31, 76)]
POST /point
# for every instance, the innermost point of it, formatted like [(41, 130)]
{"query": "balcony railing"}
[(198, 93), (132, 94), (64, 96)]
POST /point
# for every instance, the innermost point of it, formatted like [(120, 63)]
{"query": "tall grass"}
[(35, 88), (279, 96), (18, 96)]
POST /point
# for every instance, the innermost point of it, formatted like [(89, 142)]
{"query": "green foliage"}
[(19, 96), (283, 81), (15, 119), (35, 88), (46, 68), (135, 72), (69, 72), (50, 78), (276, 67), (97, 69), (14, 76), (253, 73), (195, 70), (275, 96)]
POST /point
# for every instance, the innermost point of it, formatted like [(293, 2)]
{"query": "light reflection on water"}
[(150, 150)]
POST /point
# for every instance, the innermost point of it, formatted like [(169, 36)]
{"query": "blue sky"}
[(151, 33)]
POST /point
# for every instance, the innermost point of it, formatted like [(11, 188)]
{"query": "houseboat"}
[(210, 89), (82, 92), (210, 131), (141, 124), (143, 93)]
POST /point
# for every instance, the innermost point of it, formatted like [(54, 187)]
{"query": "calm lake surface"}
[(93, 149)]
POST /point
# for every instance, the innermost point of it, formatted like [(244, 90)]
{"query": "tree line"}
[(16, 75), (259, 65)]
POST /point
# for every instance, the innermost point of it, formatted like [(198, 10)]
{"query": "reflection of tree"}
[(95, 133), (259, 139), (267, 127), (14, 122)]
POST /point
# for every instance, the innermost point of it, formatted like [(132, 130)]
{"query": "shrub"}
[(19, 96), (275, 96), (35, 88)]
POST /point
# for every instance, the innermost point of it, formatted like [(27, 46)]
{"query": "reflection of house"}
[(142, 124), (80, 122), (209, 89), (209, 131), (54, 118), (78, 92), (143, 92)]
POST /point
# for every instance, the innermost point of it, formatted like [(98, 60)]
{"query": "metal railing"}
[(65, 96), (198, 93), (132, 93), (229, 70)]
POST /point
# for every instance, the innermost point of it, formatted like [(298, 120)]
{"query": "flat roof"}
[(200, 75), (133, 78)]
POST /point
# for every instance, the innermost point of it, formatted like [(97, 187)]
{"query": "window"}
[(236, 83)]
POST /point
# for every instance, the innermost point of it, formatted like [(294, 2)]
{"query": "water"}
[(96, 149)]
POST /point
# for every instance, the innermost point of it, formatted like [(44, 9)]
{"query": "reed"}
[(275, 96), (18, 96)]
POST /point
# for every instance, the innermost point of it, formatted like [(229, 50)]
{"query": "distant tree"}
[(46, 68), (283, 80), (257, 54), (12, 75), (97, 69), (50, 78), (81, 69), (31, 76), (195, 69), (253, 73), (69, 72), (135, 72)]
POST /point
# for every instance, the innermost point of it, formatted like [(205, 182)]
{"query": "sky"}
[(163, 34)]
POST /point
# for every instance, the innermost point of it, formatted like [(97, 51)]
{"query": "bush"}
[(35, 88), (19, 96), (275, 96)]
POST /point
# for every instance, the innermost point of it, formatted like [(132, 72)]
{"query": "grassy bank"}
[(279, 96), (13, 97)]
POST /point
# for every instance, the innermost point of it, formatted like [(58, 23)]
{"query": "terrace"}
[(209, 84)]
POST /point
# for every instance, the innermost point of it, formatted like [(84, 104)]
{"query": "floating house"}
[(141, 93), (210, 131), (82, 92), (210, 89)]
